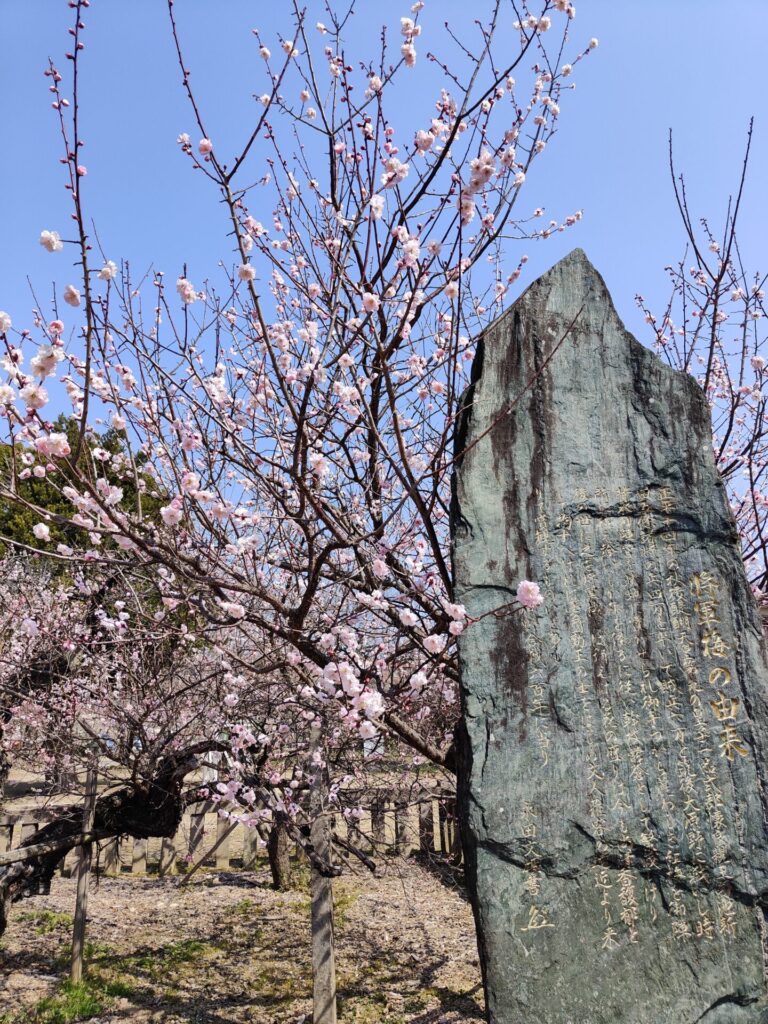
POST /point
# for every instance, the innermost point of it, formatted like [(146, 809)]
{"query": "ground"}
[(226, 948)]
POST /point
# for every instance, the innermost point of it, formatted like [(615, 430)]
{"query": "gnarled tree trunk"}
[(141, 811)]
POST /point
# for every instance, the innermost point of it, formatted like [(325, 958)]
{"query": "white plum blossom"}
[(108, 272), (44, 363), (51, 241), (42, 532), (408, 50), (71, 295), (190, 482), (233, 608), (423, 140), (54, 445), (34, 395), (318, 464), (186, 290), (395, 171), (172, 514), (456, 611), (5, 322), (435, 643)]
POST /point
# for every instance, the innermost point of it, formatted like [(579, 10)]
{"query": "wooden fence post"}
[(224, 830), (378, 808), (456, 850), (402, 829), (167, 857), (445, 842), (6, 830), (83, 875), (112, 857), (426, 827), (139, 859), (250, 848), (196, 832), (28, 829)]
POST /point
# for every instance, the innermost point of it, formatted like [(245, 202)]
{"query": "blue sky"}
[(691, 65)]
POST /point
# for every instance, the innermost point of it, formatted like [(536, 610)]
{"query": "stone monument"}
[(613, 746)]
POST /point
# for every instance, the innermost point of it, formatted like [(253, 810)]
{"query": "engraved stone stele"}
[(613, 745)]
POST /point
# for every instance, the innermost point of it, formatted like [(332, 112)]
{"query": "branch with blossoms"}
[(713, 327)]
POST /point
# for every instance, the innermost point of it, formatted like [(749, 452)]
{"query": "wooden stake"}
[(323, 951), (83, 875)]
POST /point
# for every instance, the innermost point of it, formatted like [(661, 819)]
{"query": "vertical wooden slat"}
[(6, 832), (196, 833), (445, 844), (455, 851), (27, 829), (377, 822), (139, 859), (223, 834), (426, 827), (390, 831), (110, 857), (167, 857), (402, 828), (250, 848)]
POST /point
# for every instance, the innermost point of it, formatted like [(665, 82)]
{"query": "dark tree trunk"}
[(278, 851), (154, 809)]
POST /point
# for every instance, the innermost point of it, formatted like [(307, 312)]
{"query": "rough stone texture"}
[(612, 753)]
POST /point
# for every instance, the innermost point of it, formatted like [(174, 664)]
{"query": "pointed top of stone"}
[(569, 284)]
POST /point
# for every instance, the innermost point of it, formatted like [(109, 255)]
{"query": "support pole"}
[(323, 951), (83, 876)]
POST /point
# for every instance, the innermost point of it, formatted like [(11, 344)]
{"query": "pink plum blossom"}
[(529, 595)]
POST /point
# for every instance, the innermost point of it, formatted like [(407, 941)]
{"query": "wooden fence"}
[(387, 827)]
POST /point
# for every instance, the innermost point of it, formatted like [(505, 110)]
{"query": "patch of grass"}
[(276, 985), (97, 951), (45, 921), (168, 960), (118, 988), (367, 1010), (344, 898), (71, 1003), (243, 909)]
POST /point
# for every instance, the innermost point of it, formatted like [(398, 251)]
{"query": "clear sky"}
[(696, 66)]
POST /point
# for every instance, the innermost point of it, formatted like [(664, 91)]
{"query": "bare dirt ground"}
[(227, 949)]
